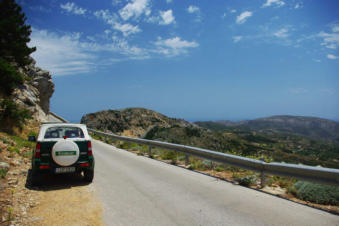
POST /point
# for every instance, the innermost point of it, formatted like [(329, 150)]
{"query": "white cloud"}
[(331, 57), (299, 5), (116, 2), (335, 27), (166, 17), (330, 40), (61, 55), (66, 54), (169, 1), (277, 3), (109, 18), (72, 8), (193, 9), (112, 19), (236, 39), (174, 46), (126, 29), (282, 33), (243, 17), (233, 11), (135, 9)]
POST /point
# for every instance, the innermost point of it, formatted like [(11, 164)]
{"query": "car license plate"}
[(65, 170)]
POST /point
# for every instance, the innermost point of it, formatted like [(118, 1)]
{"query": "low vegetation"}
[(317, 193), (15, 151), (258, 145)]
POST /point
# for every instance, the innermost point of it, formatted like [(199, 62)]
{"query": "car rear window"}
[(61, 131)]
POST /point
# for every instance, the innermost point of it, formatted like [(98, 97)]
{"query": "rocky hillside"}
[(36, 91), (299, 125), (131, 121)]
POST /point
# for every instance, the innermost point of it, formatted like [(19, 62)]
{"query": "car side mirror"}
[(32, 138)]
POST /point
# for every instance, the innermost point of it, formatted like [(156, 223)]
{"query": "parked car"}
[(62, 148)]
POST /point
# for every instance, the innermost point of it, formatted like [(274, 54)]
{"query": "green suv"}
[(62, 148)]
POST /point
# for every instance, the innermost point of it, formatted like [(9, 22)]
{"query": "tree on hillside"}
[(14, 34), (14, 53)]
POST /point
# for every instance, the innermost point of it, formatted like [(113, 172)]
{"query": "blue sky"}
[(191, 59)]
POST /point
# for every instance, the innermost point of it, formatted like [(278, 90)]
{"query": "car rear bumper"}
[(52, 168)]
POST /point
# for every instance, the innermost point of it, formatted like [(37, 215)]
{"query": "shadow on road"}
[(49, 182)]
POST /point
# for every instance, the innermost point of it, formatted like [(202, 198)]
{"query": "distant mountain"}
[(299, 125), (131, 121), (148, 124)]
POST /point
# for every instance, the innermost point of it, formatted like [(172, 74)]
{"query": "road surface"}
[(136, 190)]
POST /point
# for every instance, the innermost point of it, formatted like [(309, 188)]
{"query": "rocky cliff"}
[(35, 93)]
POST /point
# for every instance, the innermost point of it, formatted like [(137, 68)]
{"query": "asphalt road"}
[(136, 190)]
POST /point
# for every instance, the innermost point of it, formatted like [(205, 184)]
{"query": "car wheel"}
[(88, 175), (35, 178)]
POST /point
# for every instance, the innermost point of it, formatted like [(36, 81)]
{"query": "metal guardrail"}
[(309, 173)]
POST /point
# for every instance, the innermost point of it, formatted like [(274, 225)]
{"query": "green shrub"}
[(3, 173), (246, 181), (317, 193), (28, 154), (196, 164), (12, 114), (10, 78), (169, 155), (13, 149), (207, 164), (33, 133), (21, 143), (219, 169), (5, 140)]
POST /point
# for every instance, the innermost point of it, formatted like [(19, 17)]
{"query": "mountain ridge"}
[(309, 126)]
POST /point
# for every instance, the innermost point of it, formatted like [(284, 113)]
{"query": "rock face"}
[(130, 121), (35, 93)]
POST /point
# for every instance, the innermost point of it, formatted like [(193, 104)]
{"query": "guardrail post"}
[(150, 151), (262, 179), (187, 160)]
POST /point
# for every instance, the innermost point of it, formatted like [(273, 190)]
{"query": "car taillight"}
[(84, 164), (44, 167), (89, 145), (37, 150)]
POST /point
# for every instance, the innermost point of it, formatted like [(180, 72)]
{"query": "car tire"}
[(88, 175), (35, 178)]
